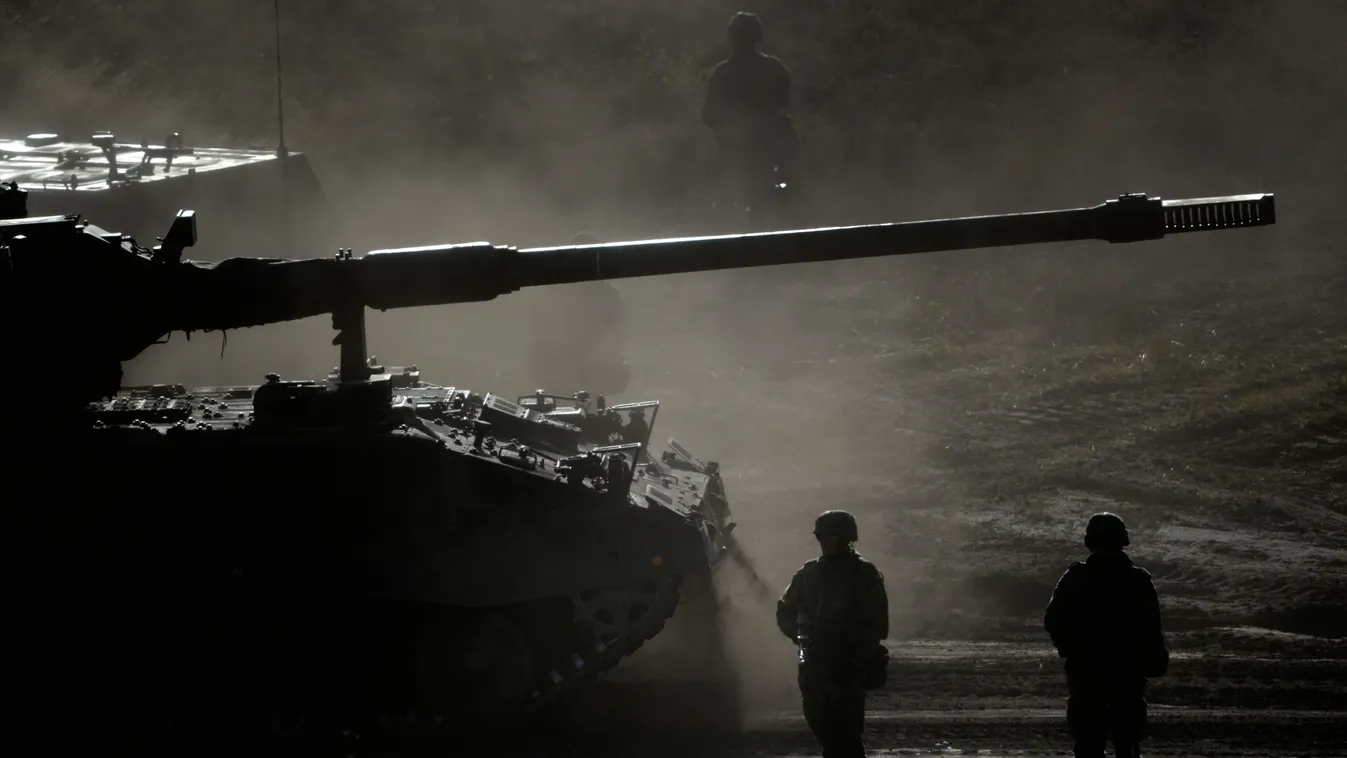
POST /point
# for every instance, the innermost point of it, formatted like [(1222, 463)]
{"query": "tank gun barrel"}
[(1130, 218), (410, 277), (130, 297)]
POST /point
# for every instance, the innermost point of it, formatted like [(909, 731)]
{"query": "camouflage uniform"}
[(747, 105), (1104, 619), (837, 609)]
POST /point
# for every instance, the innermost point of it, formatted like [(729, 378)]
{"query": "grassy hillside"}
[(973, 408)]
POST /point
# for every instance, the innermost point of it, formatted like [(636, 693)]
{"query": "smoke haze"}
[(522, 122)]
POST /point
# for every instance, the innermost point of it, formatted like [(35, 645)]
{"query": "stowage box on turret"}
[(371, 549)]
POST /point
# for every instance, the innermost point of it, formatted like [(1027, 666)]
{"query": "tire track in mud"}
[(1025, 734)]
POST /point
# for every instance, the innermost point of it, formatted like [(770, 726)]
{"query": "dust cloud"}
[(762, 658), (522, 123)]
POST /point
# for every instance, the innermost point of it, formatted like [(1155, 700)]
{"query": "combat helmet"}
[(840, 523), (1106, 530), (745, 29)]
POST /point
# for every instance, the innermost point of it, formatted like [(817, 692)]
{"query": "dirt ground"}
[(1025, 734), (1005, 698)]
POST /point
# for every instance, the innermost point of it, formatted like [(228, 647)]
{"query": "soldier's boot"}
[(1126, 749)]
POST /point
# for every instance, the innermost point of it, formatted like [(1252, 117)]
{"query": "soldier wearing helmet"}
[(837, 611), (576, 337), (1104, 620), (747, 105), (636, 429)]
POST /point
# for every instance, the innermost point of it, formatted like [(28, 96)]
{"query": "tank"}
[(252, 198), (368, 548)]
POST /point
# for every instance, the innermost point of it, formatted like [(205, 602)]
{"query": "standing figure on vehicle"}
[(747, 107), (1104, 620), (576, 337), (837, 612)]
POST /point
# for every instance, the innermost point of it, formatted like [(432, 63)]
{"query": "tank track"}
[(619, 620), (605, 625)]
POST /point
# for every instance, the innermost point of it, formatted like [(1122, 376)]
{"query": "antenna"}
[(281, 151)]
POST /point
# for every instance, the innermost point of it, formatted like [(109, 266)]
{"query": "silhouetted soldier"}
[(576, 337), (13, 201), (837, 611), (1104, 619), (747, 107), (636, 429)]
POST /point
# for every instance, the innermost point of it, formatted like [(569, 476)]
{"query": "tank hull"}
[(262, 582)]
